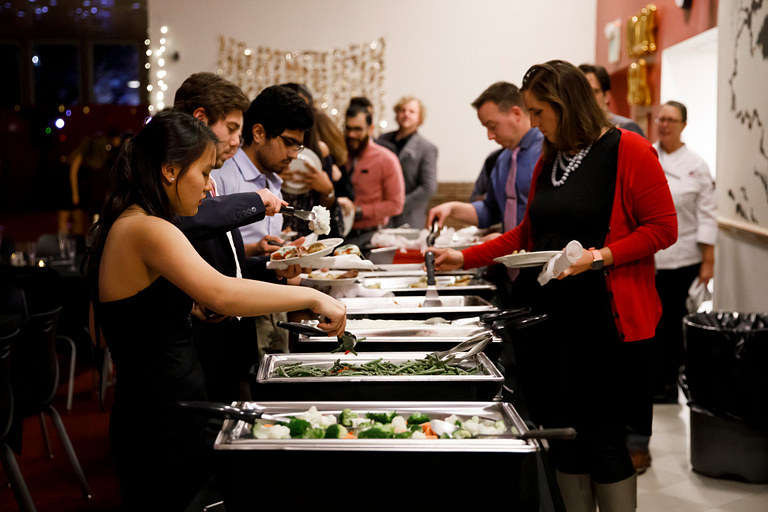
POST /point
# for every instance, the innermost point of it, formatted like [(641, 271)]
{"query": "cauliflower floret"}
[(398, 422), (274, 432), (452, 419), (322, 223), (418, 435)]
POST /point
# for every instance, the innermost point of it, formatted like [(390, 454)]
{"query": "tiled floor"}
[(671, 485)]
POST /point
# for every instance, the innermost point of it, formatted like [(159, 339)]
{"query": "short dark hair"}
[(503, 94), (277, 109), (580, 120), (362, 101), (216, 95), (679, 106), (356, 109), (603, 78)]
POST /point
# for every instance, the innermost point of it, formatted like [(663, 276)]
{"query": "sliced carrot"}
[(268, 425), (427, 429), (431, 436), (350, 435)]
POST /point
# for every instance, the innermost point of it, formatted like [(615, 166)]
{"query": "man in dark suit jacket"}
[(226, 347), (418, 159)]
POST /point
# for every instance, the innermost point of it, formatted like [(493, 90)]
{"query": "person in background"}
[(364, 102), (273, 135), (143, 276), (501, 111), (418, 159), (588, 366), (89, 164), (333, 137), (376, 177), (322, 191), (693, 255), (226, 346), (600, 81)]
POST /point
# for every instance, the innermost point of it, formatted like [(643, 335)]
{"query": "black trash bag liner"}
[(726, 364)]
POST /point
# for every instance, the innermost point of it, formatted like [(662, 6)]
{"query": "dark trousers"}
[(672, 287)]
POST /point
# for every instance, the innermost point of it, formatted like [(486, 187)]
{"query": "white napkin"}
[(557, 264), (353, 290), (380, 239)]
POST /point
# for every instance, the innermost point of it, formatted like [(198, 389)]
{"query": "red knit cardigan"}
[(643, 221)]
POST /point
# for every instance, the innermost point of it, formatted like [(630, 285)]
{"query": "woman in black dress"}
[(588, 366), (144, 275)]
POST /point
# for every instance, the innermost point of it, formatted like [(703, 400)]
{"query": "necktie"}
[(510, 206)]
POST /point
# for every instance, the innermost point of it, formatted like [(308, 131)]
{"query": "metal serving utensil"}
[(472, 346), (219, 410), (432, 299), (432, 233), (299, 214)]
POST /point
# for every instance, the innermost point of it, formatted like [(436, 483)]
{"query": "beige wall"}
[(443, 51)]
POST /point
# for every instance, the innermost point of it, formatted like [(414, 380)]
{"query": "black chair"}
[(7, 458), (48, 246), (35, 378)]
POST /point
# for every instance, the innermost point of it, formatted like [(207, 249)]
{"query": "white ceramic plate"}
[(306, 155), (401, 266), (329, 281), (458, 246), (526, 259), (306, 260)]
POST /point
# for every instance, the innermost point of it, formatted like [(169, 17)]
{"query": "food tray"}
[(453, 306), (365, 470), (445, 284), (270, 386)]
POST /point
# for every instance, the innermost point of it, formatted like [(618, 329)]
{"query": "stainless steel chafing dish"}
[(453, 306), (445, 284), (270, 386), (375, 473), (400, 335)]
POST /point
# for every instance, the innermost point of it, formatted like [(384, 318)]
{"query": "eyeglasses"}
[(292, 144), (666, 120)]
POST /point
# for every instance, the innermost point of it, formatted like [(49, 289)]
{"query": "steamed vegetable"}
[(380, 425), (430, 365)]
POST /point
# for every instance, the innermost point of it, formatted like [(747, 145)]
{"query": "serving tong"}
[(290, 211), (432, 299), (220, 410), (472, 346)]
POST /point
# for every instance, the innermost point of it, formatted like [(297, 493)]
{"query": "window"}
[(116, 74), (10, 86), (56, 70)]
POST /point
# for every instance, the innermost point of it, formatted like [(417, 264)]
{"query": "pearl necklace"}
[(573, 164)]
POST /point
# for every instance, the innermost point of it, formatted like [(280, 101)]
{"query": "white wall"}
[(446, 52), (741, 255), (689, 75)]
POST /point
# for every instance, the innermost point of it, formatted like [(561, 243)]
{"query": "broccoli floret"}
[(418, 418), (415, 427), (335, 431), (381, 417), (374, 433), (314, 433), (403, 435), (298, 427), (346, 416), (462, 434)]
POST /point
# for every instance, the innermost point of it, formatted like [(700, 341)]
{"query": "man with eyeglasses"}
[(273, 129), (376, 178), (600, 81)]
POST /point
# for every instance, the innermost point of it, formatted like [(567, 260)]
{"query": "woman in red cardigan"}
[(588, 366)]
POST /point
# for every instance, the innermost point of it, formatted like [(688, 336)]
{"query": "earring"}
[(172, 179)]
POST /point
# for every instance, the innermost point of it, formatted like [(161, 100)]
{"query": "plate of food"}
[(295, 184), (331, 277), (304, 255), (520, 259)]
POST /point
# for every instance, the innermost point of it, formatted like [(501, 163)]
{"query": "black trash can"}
[(725, 378)]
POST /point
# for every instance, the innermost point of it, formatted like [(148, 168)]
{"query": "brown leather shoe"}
[(641, 460)]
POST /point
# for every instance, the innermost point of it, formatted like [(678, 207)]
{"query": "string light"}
[(156, 99)]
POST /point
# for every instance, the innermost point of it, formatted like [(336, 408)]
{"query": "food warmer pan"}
[(269, 385), (453, 306), (409, 285), (378, 474)]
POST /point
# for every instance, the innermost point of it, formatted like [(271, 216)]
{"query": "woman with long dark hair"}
[(144, 275), (588, 367)]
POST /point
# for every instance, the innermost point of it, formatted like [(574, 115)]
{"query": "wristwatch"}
[(598, 261), (358, 213)]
